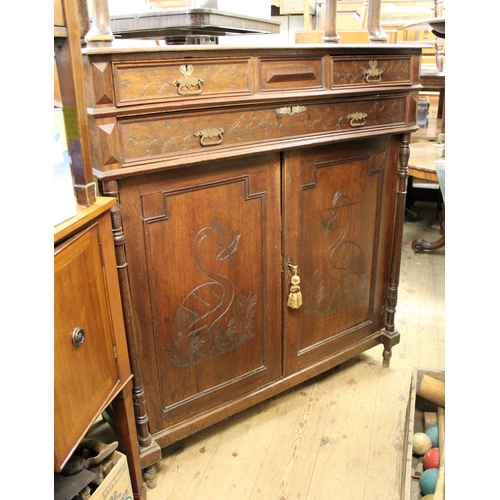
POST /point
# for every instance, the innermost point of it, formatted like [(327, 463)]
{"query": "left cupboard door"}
[(85, 368)]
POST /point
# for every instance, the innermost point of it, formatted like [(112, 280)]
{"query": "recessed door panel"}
[(211, 268), (332, 221)]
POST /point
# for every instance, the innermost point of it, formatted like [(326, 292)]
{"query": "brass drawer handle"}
[(188, 81), (78, 336), (373, 74), (206, 135), (357, 119)]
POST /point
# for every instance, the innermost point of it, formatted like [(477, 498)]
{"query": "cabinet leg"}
[(149, 476)]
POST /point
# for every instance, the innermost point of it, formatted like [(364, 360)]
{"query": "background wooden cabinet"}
[(290, 7)]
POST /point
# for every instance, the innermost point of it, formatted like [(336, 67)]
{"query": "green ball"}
[(428, 481), (432, 432)]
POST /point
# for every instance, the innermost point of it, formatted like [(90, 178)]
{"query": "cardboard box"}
[(410, 489), (117, 484)]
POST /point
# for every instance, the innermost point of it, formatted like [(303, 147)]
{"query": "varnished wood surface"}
[(88, 377), (338, 436), (82, 217), (423, 160)]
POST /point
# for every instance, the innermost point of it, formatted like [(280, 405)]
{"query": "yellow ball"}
[(428, 497), (421, 443)]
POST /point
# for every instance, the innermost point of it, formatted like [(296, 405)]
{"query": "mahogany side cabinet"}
[(91, 363), (260, 197)]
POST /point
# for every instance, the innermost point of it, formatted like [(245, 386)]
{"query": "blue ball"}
[(432, 432), (428, 481)]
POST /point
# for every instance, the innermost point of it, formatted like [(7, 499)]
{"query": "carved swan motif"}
[(341, 281), (201, 328)]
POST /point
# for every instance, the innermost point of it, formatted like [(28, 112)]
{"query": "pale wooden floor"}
[(336, 437)]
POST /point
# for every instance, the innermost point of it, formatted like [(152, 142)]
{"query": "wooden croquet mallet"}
[(439, 491), (431, 389)]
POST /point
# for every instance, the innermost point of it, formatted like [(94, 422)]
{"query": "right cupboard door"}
[(338, 210)]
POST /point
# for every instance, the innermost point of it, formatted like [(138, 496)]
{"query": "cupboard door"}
[(333, 231), (85, 371), (204, 259)]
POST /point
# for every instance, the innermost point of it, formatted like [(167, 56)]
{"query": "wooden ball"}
[(431, 459), (433, 433), (421, 443), (428, 481)]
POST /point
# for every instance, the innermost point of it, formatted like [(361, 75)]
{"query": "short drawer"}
[(293, 74), (175, 80), (369, 71), (171, 135)]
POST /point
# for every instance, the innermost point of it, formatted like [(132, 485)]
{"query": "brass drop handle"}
[(78, 336), (188, 82), (373, 74), (295, 295), (357, 119), (207, 136)]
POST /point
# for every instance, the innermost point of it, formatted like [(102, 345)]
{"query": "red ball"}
[(431, 459)]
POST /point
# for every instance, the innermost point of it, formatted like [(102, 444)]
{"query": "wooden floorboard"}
[(338, 436)]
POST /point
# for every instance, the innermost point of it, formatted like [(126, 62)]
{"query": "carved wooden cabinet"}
[(236, 170), (91, 363)]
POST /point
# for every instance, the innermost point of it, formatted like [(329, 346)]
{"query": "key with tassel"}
[(295, 295)]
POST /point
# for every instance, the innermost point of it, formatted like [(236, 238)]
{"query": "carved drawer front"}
[(174, 80), (366, 71), (279, 75), (173, 135)]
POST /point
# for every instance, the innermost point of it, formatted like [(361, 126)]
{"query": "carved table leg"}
[(100, 31), (125, 422), (375, 31), (331, 22), (419, 245)]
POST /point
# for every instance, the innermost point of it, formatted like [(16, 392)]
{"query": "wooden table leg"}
[(127, 437), (420, 245)]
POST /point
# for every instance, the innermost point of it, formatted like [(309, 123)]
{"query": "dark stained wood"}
[(229, 166), (334, 207)]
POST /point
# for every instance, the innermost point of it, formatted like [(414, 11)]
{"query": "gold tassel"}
[(295, 295)]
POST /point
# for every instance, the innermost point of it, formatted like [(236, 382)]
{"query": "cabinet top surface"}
[(82, 217), (333, 49)]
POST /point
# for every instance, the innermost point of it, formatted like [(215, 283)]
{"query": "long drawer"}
[(170, 135)]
